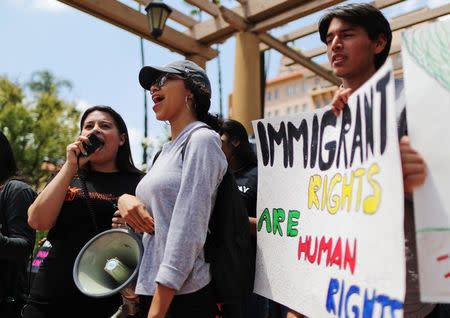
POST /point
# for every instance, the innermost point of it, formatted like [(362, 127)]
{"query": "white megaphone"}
[(108, 263)]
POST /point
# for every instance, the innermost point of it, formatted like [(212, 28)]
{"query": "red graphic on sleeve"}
[(72, 193)]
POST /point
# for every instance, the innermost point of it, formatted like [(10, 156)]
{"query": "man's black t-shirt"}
[(74, 227)]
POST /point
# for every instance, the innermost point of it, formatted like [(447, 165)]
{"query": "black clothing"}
[(255, 305), (247, 181), (54, 291), (199, 304), (16, 243)]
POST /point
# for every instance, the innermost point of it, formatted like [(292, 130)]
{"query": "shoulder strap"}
[(156, 157), (184, 144), (189, 138), (89, 202)]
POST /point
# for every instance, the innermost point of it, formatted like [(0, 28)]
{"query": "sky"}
[(102, 61)]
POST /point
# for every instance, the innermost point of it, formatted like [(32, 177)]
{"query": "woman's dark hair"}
[(124, 160), (236, 132), (366, 16), (8, 167), (202, 102)]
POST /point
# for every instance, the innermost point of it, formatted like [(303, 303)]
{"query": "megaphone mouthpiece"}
[(118, 270)]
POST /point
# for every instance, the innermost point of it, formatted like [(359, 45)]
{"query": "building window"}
[(269, 95), (268, 114), (288, 110), (317, 103), (317, 82), (296, 109), (290, 90), (276, 113), (305, 107), (275, 94)]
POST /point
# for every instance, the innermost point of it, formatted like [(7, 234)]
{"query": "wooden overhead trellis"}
[(252, 17), (257, 16)]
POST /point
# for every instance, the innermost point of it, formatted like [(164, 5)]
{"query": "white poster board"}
[(330, 208), (426, 63)]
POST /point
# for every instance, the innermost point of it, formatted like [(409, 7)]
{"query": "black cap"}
[(149, 74)]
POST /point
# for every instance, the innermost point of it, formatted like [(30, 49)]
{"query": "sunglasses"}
[(162, 79)]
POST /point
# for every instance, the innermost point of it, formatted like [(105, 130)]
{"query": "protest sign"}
[(426, 63), (330, 208)]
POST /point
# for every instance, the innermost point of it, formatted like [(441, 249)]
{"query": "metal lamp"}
[(157, 14)]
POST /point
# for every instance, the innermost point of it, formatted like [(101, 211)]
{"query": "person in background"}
[(179, 192), (243, 163), (358, 39), (16, 237), (97, 179)]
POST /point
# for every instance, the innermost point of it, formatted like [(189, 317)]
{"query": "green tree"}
[(39, 126)]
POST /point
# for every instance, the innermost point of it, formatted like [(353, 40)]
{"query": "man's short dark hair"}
[(364, 15)]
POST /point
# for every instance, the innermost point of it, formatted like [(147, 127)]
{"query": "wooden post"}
[(198, 59), (246, 99)]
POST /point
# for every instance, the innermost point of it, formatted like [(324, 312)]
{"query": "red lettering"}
[(325, 247), (336, 259), (335, 254), (305, 247), (349, 258)]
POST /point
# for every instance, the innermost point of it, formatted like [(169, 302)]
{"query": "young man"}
[(358, 39)]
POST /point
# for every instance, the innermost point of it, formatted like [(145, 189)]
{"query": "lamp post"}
[(157, 14)]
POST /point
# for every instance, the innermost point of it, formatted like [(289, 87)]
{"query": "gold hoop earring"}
[(187, 105)]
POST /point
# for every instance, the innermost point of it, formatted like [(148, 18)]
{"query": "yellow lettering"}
[(372, 202), (359, 173), (314, 185), (324, 192), (347, 189), (332, 208)]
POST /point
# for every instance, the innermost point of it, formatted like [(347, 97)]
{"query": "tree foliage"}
[(39, 126)]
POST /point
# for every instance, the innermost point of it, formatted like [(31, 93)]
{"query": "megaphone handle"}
[(128, 292)]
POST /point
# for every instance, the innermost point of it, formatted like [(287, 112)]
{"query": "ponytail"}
[(202, 102), (211, 120)]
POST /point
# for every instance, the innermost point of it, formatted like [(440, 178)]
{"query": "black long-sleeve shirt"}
[(16, 237)]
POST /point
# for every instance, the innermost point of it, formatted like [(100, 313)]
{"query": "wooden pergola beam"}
[(121, 15), (419, 17), (312, 28), (242, 24), (176, 15), (304, 9), (236, 21), (217, 29), (298, 57), (206, 6)]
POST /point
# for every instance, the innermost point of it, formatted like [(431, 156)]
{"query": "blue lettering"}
[(368, 304), (333, 288), (352, 290), (351, 304)]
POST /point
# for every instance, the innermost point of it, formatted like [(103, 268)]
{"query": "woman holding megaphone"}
[(98, 169)]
